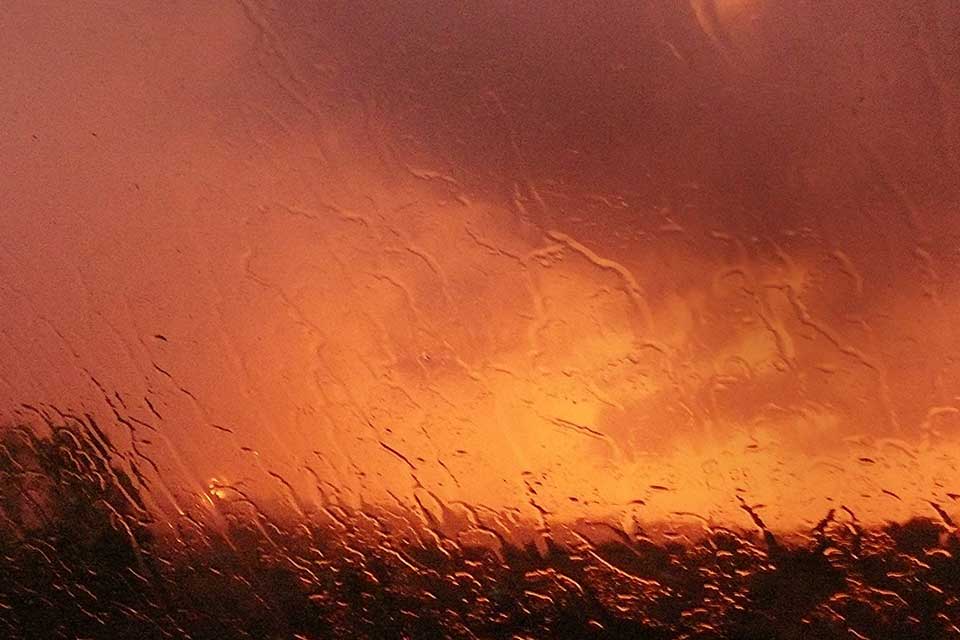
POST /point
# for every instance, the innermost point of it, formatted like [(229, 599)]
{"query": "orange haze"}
[(579, 260)]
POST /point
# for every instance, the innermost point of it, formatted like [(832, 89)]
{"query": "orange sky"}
[(580, 259)]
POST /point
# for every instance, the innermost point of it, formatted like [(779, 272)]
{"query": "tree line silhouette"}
[(81, 557)]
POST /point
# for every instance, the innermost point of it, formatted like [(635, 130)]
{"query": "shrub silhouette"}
[(73, 530), (79, 559)]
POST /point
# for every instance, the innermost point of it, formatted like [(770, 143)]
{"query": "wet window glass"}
[(421, 319)]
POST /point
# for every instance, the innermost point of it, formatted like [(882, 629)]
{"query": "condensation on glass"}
[(480, 319)]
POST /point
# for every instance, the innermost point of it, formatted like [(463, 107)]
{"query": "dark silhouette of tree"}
[(73, 529)]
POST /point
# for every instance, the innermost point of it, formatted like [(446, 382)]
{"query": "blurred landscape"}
[(81, 557), (479, 319)]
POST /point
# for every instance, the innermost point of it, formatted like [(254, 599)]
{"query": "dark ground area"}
[(80, 558)]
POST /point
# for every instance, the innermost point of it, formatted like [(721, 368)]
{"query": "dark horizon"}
[(74, 573)]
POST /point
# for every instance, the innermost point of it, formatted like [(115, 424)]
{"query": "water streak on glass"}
[(480, 319)]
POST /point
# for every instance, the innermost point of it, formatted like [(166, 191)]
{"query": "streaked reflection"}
[(421, 319)]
